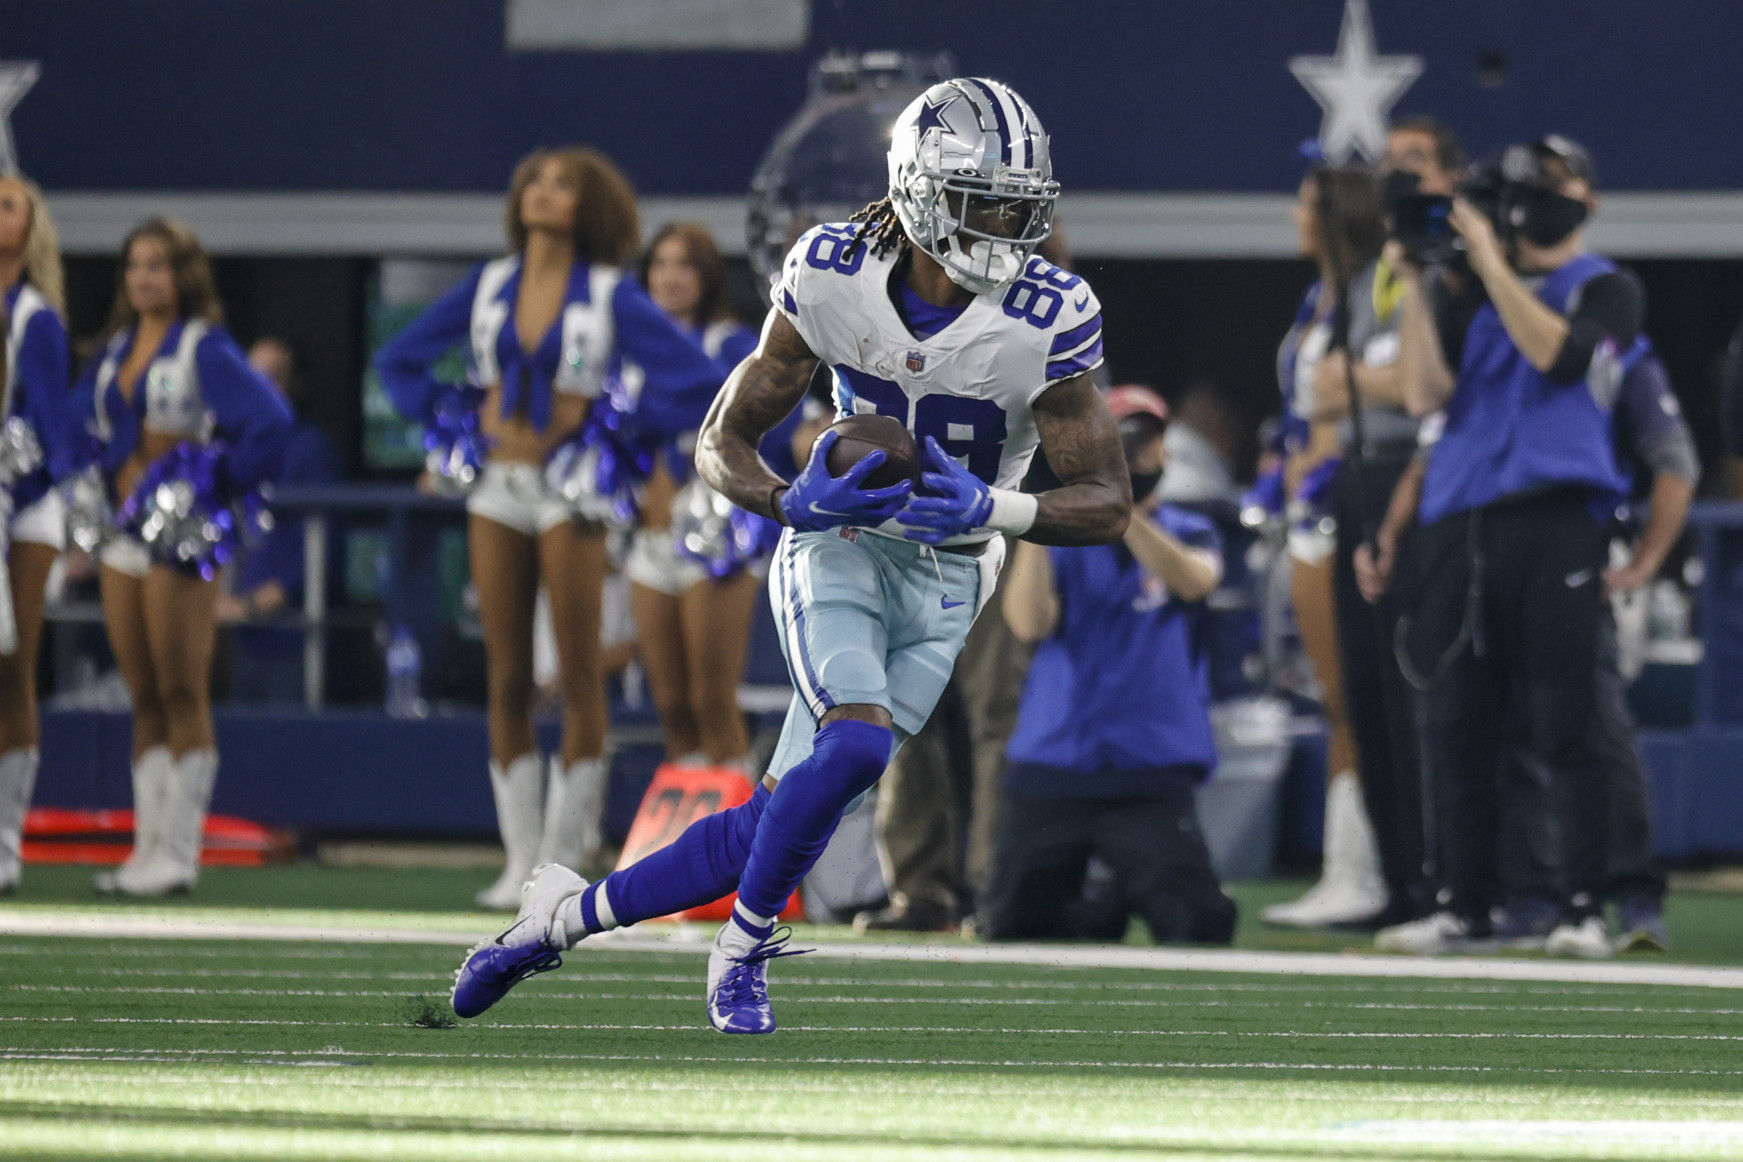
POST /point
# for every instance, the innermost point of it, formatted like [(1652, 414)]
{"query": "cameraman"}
[(1507, 614)]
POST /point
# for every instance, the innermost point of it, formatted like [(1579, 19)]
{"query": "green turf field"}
[(246, 1049)]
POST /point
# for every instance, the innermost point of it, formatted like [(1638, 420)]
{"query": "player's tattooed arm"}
[(1082, 442), (758, 395)]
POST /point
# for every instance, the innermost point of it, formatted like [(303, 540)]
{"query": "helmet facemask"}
[(986, 231)]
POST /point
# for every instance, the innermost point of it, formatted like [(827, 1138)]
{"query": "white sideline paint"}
[(1102, 224), (32, 922)]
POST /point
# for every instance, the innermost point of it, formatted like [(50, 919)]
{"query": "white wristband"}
[(1013, 512)]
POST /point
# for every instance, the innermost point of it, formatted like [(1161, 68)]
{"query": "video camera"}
[(1421, 222), (1514, 190)]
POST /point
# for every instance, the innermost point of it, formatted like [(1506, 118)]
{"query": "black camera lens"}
[(1420, 224)]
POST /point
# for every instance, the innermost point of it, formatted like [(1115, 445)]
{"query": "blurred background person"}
[(547, 324), (35, 391), (1203, 447), (168, 373), (1526, 359), (692, 630), (938, 804), (1423, 160), (1340, 226), (269, 580), (1114, 732), (1656, 451)]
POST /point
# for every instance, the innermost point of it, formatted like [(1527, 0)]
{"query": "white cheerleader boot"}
[(519, 793), (1350, 886), (574, 806), (174, 866), (151, 771), (17, 780)]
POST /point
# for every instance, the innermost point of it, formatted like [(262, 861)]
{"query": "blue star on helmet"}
[(932, 116)]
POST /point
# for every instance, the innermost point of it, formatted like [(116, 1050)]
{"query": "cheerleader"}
[(168, 374), (1338, 221), (35, 392), (549, 325), (693, 631)]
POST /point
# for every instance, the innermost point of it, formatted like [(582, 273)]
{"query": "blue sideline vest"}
[(1509, 428), (1117, 699)]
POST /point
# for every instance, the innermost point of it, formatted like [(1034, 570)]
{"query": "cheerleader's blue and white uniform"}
[(608, 328), (198, 387), (1312, 529), (654, 560), (36, 390)]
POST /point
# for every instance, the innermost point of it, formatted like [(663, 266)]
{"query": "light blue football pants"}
[(867, 619)]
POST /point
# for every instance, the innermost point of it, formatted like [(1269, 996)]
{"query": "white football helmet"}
[(971, 178)]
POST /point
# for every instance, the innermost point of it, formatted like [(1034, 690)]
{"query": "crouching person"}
[(1113, 735)]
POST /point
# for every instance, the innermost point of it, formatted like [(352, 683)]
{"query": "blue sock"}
[(700, 866), (847, 757)]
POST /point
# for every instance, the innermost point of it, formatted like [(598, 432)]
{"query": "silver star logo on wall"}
[(16, 77), (1357, 87)]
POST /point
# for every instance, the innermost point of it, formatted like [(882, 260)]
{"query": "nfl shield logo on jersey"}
[(916, 361)]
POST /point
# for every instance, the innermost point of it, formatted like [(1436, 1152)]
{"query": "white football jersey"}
[(971, 385)]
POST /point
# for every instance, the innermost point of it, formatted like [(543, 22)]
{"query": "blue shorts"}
[(867, 619)]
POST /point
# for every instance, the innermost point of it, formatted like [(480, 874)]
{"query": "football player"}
[(930, 307)]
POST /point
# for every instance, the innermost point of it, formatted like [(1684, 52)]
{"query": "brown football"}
[(861, 435)]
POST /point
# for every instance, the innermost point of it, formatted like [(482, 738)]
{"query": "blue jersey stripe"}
[(787, 302), (1075, 337), (1077, 364)]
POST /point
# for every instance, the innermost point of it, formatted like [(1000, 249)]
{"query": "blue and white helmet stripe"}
[(989, 103), (1010, 113)]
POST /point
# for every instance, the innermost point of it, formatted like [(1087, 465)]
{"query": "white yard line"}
[(33, 922), (335, 1055), (1015, 1031)]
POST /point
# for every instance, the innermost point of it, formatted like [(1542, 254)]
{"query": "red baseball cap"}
[(1133, 399)]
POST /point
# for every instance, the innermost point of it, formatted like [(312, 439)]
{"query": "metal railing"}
[(318, 505)]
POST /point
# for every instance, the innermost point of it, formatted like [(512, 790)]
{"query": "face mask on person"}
[(1136, 434)]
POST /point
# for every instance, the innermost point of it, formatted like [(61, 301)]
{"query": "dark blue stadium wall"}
[(341, 772), (1141, 94)]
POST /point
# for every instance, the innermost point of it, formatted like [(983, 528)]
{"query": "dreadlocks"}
[(880, 229)]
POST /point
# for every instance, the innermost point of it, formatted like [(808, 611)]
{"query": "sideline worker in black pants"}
[(1423, 159), (1113, 735), (1656, 452), (1525, 360), (1382, 706)]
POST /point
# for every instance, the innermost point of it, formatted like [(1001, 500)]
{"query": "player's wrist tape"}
[(1013, 512)]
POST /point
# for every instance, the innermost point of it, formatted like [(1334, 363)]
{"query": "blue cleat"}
[(738, 982), (534, 943)]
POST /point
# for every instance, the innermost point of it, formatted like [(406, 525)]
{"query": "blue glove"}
[(816, 501), (962, 503)]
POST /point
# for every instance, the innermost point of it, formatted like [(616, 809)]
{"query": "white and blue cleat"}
[(738, 981), (534, 943)]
